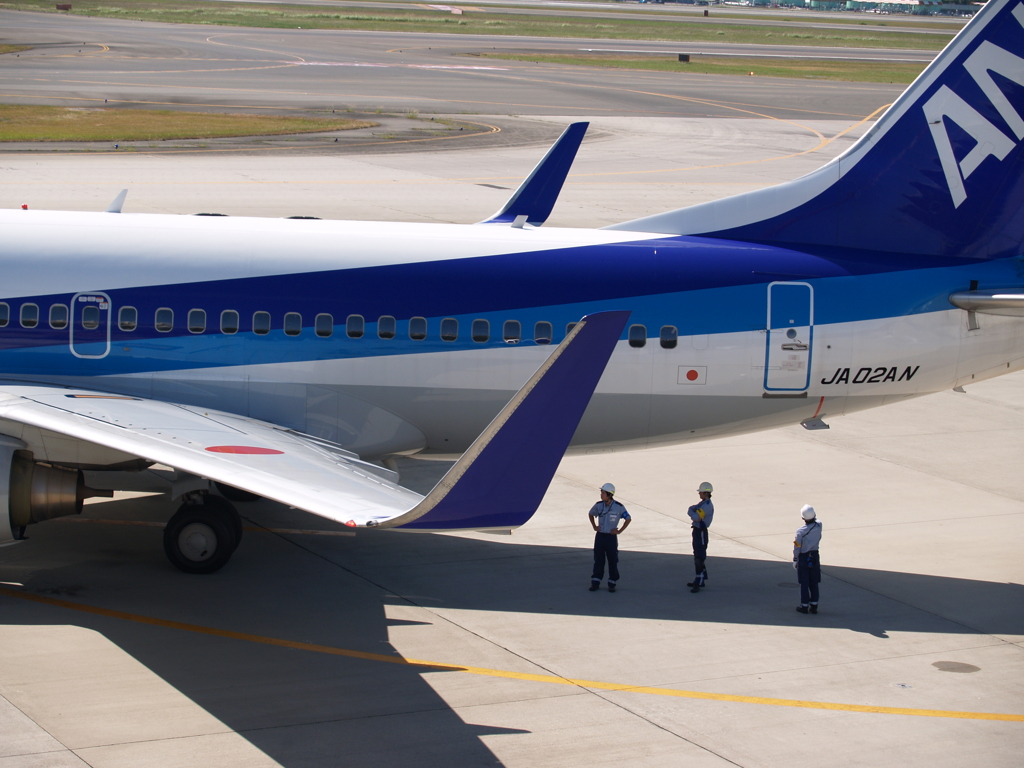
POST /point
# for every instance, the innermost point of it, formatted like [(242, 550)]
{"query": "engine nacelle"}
[(31, 492)]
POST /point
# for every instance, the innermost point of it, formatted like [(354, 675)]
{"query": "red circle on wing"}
[(692, 375), (246, 449)]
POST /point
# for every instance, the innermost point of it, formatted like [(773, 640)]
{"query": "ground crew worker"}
[(806, 560), (604, 518), (700, 517)]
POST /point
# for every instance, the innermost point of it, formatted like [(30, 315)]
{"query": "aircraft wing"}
[(245, 453), (505, 468)]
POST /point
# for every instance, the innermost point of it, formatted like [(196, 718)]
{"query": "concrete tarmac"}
[(318, 648)]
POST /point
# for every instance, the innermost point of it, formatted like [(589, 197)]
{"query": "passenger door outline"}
[(790, 337), (86, 309)]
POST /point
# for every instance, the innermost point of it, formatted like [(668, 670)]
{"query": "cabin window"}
[(449, 329), (58, 316), (512, 332), (542, 332), (669, 336), (196, 320), (90, 317), (5, 314), (386, 327), (481, 331), (323, 324), (569, 327), (417, 328), (261, 323), (229, 321), (637, 335), (29, 315), (355, 326), (128, 318), (164, 320), (292, 324)]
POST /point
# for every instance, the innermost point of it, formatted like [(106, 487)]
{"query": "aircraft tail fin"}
[(532, 202), (939, 174), (500, 481)]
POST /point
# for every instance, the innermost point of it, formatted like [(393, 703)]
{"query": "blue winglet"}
[(536, 196), (500, 481)]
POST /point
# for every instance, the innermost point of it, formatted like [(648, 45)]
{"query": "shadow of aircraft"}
[(303, 708), (524, 578), (300, 708)]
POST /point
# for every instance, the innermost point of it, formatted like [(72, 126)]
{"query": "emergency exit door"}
[(90, 325), (790, 337)]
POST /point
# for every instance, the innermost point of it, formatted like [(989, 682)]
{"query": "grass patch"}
[(31, 123), (689, 29), (811, 69), (13, 48)]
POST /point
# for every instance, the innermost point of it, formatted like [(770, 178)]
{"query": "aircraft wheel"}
[(224, 508), (198, 539), (236, 494)]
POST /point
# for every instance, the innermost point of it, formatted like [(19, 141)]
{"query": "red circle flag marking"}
[(692, 375), (245, 449)]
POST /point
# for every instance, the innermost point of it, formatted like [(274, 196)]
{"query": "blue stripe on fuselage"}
[(697, 285)]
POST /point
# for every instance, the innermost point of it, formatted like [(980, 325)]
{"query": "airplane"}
[(294, 359)]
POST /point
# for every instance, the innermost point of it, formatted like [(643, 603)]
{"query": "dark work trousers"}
[(606, 545), (700, 553), (808, 572)]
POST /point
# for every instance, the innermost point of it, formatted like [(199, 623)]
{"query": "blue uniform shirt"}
[(808, 537), (705, 510), (608, 515)]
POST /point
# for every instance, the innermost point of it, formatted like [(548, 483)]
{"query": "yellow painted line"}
[(500, 673), (257, 528)]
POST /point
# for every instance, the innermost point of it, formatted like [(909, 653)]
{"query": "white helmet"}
[(608, 488), (705, 488), (807, 512)]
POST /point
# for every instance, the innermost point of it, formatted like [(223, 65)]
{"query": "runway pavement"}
[(88, 62), (317, 648)]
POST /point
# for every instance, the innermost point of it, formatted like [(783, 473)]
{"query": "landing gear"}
[(203, 534), (236, 494)]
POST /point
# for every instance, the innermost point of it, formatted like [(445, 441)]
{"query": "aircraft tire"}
[(198, 539), (236, 494), (223, 507)]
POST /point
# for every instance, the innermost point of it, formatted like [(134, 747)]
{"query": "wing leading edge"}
[(498, 483)]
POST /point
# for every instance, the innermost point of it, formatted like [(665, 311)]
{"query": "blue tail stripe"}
[(940, 174)]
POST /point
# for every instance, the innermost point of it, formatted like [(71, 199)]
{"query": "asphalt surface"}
[(670, 13), (93, 62)]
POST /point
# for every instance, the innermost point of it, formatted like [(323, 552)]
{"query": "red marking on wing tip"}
[(692, 375), (351, 523), (243, 449)]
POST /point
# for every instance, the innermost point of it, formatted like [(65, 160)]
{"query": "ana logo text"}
[(988, 58)]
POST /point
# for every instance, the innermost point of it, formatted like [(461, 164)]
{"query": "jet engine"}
[(32, 492)]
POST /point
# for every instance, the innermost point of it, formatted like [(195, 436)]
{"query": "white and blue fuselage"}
[(724, 336)]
